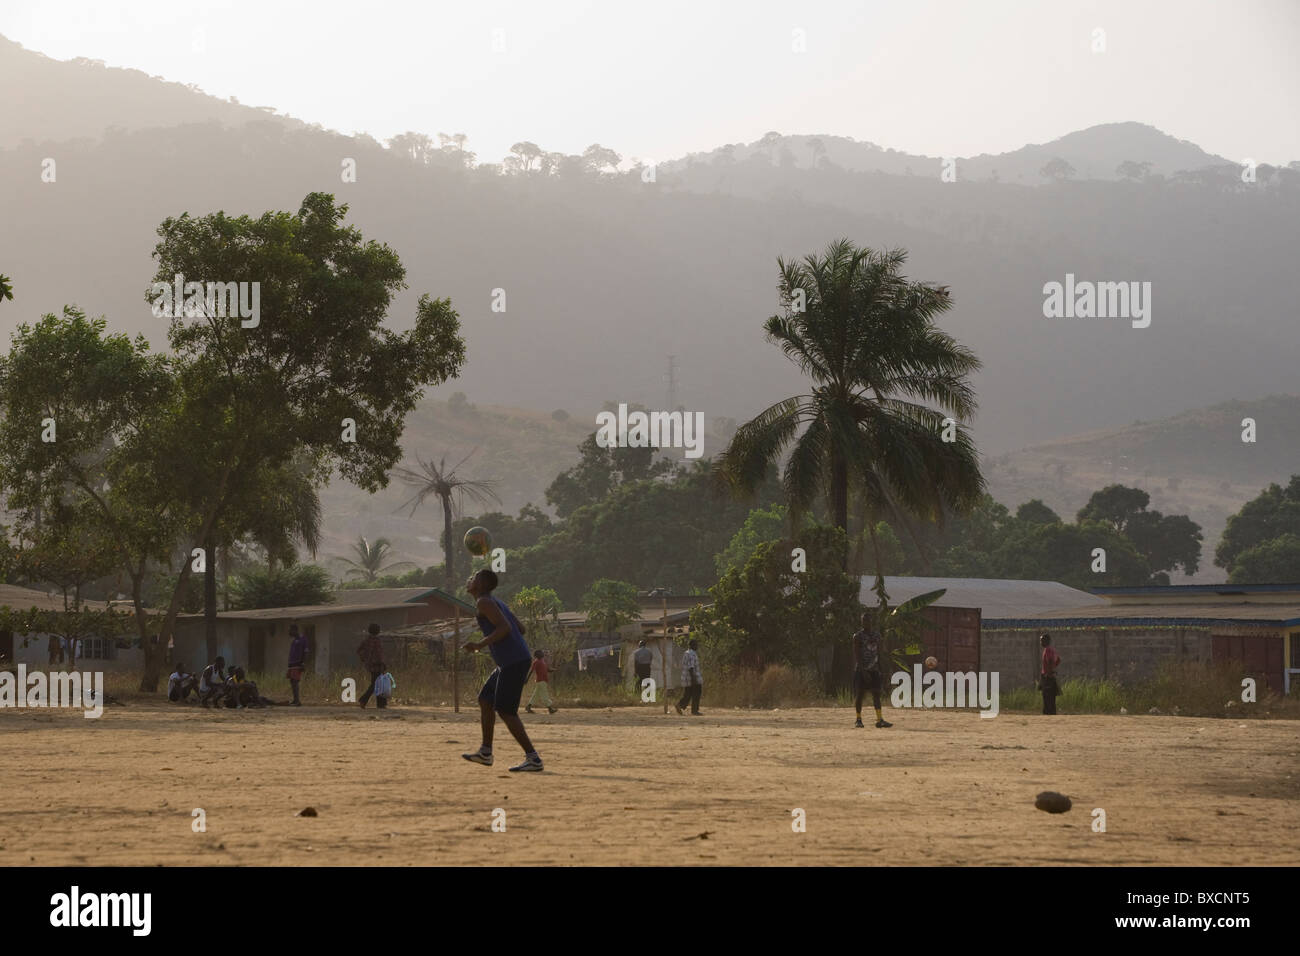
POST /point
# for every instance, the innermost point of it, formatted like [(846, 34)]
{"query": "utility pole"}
[(671, 378)]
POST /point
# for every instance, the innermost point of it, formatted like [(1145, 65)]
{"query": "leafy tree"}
[(257, 396), (867, 338), (1063, 552), (781, 615), (598, 158), (1273, 513), (1057, 170), (1166, 542), (372, 559), (539, 610), (1275, 561), (294, 586), (599, 471), (1035, 512), (451, 490), (610, 605), (6, 288), (762, 524), (109, 404), (1133, 170)]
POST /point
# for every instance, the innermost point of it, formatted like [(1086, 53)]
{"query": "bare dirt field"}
[(633, 786)]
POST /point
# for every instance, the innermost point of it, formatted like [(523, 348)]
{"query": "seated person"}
[(180, 685), (241, 691), (212, 682)]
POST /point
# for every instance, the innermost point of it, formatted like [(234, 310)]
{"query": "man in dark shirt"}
[(866, 668), (371, 653)]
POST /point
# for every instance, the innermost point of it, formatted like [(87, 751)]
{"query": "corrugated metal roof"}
[(305, 611), (1158, 615), (11, 595), (996, 598)]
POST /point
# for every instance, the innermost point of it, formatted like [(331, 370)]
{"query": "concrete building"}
[(98, 652)]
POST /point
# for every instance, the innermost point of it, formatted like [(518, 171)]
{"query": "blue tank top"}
[(511, 649)]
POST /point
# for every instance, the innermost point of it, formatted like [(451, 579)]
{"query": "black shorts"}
[(505, 686), (866, 680)]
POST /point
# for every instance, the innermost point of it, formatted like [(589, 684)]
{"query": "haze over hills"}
[(606, 275)]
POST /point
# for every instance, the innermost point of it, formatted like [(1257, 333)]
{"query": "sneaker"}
[(480, 756), (858, 723), (531, 762), (679, 710), (528, 709), (696, 713), (883, 723), (362, 703), (550, 710)]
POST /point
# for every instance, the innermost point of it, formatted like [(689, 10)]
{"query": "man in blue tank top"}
[(503, 636)]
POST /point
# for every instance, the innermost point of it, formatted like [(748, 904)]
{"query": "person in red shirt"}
[(1047, 681), (542, 674)]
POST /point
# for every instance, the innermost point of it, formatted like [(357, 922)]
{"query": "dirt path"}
[(632, 786)]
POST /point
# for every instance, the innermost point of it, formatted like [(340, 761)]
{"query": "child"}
[(384, 685), (503, 636), (541, 674), (212, 682)]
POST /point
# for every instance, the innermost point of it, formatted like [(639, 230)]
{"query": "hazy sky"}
[(659, 79)]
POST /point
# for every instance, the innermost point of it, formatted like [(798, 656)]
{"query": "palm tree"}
[(371, 557), (452, 490), (865, 336)]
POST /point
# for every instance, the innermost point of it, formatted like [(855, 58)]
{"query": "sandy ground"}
[(633, 786)]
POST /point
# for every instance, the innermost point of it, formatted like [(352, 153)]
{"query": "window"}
[(96, 649)]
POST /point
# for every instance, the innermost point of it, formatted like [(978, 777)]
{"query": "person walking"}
[(642, 658), (1047, 681), (692, 680), (297, 660), (371, 653), (542, 676)]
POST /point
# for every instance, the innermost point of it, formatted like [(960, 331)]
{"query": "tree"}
[(371, 559), (1275, 512), (298, 585), (1065, 553), (1133, 170), (526, 154), (1057, 170), (610, 605), (6, 288), (598, 158), (417, 147), (1035, 512), (782, 615), (1275, 561), (317, 365), (452, 490), (761, 525), (599, 471), (108, 406), (509, 532), (867, 338), (1166, 542)]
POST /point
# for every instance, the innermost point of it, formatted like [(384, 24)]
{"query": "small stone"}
[(308, 812), (1052, 802)]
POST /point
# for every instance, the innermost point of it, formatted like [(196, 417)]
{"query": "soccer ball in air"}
[(477, 541), (932, 662)]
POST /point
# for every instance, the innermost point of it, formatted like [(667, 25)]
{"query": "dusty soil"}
[(633, 786)]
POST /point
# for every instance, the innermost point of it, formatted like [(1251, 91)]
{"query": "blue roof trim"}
[(1105, 622), (1144, 589)]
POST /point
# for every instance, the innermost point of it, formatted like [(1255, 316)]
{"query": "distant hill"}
[(521, 450), (1095, 153), (81, 98), (1194, 464)]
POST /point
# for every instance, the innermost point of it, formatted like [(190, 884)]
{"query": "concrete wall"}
[(1119, 654), (36, 656)]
